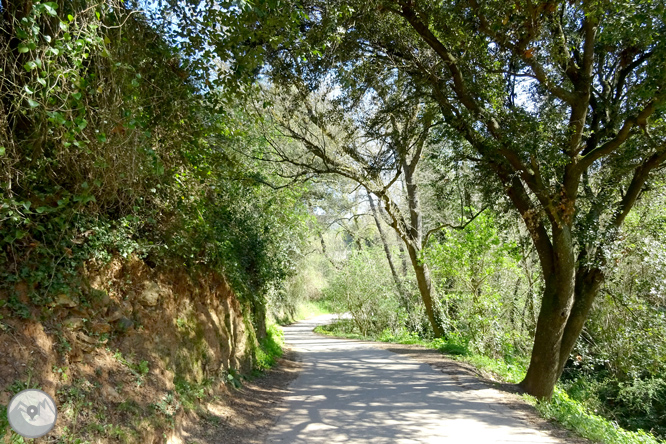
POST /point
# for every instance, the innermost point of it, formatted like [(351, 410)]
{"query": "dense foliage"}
[(107, 149), (558, 107), (488, 285), (485, 175)]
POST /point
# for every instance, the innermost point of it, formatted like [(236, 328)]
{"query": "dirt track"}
[(362, 392)]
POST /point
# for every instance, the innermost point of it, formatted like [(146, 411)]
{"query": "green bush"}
[(190, 393), (453, 345), (364, 289), (638, 404)]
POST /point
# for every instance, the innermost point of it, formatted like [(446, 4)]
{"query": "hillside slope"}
[(122, 360)]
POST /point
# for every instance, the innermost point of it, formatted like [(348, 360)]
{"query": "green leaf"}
[(50, 8), (40, 210), (77, 95), (2, 150), (32, 103), (70, 17), (23, 48)]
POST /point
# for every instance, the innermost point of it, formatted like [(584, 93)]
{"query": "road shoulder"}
[(245, 415)]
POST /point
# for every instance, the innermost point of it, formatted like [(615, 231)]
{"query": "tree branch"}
[(624, 134), (454, 227)]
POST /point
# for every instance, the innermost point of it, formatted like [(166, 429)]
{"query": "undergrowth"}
[(575, 416), (270, 348), (562, 408)]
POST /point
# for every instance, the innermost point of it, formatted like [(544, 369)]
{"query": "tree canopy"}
[(505, 159)]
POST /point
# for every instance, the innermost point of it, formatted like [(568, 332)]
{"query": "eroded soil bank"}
[(247, 414), (130, 358)]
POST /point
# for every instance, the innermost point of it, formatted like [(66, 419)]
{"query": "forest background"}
[(493, 187)]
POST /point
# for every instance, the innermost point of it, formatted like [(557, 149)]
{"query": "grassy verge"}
[(270, 348), (574, 416), (310, 309), (304, 310), (561, 408)]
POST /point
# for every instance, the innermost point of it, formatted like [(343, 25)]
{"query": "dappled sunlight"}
[(351, 392)]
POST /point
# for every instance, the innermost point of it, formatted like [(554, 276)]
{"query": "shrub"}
[(363, 288)]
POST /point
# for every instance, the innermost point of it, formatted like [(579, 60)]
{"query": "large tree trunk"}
[(556, 303), (566, 302), (425, 288), (543, 371), (588, 282)]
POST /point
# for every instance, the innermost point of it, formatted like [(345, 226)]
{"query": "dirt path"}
[(245, 415), (360, 392)]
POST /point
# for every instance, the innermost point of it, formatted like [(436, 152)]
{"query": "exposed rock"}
[(79, 312), (87, 339), (101, 327), (75, 355), (113, 317), (86, 347), (124, 324), (99, 299), (111, 394), (73, 323), (150, 294), (66, 300), (138, 317)]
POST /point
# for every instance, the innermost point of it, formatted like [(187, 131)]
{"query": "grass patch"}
[(270, 348), (501, 369), (190, 394), (561, 408), (310, 309), (334, 330), (574, 416)]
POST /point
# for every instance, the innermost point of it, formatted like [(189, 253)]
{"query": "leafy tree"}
[(372, 304), (560, 105), (376, 150), (474, 267), (107, 148)]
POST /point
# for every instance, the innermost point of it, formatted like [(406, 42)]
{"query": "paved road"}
[(352, 392)]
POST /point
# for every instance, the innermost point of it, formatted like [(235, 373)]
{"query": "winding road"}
[(354, 392)]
